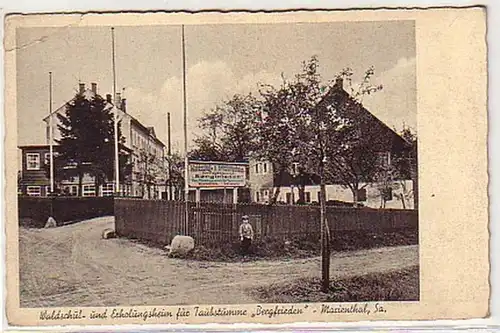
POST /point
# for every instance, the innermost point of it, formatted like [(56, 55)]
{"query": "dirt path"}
[(72, 265)]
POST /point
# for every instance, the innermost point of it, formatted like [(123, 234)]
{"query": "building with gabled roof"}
[(145, 151), (388, 144)]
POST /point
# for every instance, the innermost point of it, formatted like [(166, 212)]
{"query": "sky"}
[(221, 60)]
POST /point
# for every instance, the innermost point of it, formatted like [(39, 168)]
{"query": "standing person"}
[(246, 235)]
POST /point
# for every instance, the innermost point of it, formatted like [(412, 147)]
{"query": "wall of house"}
[(142, 141), (341, 193), (39, 175), (260, 179), (37, 182)]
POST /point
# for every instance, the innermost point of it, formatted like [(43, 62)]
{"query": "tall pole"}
[(51, 136), (325, 233), (115, 113), (186, 161), (169, 152)]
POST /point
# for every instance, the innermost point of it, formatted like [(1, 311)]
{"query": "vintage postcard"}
[(239, 167)]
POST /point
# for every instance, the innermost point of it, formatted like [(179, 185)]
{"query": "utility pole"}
[(51, 136), (169, 153), (325, 232), (186, 160), (115, 113)]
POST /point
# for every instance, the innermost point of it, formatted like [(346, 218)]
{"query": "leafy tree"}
[(206, 150), (393, 174), (407, 166), (87, 141), (320, 127), (149, 170), (352, 154), (229, 131), (175, 175), (287, 129)]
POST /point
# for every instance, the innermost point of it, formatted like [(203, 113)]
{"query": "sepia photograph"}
[(179, 170), (301, 163)]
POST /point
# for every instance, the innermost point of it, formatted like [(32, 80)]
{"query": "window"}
[(264, 167), (32, 161), (88, 190), (295, 168), (257, 168), (108, 189), (34, 191), (308, 196), (289, 198), (71, 190), (257, 196)]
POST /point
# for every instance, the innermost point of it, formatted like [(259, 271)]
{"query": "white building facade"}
[(146, 153)]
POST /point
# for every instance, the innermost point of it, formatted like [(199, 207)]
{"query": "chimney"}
[(339, 83), (124, 105), (82, 88), (108, 98), (118, 100), (94, 87)]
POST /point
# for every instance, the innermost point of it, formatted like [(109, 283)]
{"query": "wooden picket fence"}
[(159, 221)]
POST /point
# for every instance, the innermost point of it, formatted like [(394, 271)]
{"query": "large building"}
[(145, 151), (388, 144)]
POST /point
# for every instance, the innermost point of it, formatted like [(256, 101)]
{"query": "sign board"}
[(216, 174)]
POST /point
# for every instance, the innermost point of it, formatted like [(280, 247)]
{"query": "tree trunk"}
[(96, 185), (355, 195), (403, 191), (276, 194), (302, 193), (414, 167), (80, 181)]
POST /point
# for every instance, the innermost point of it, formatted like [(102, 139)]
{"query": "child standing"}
[(246, 235)]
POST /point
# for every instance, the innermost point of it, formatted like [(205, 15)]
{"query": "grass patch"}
[(298, 247), (262, 249), (303, 247), (400, 285)]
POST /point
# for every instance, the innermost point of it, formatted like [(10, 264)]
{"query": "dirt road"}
[(73, 266)]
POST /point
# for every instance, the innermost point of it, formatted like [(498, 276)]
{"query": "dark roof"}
[(338, 94), (34, 147)]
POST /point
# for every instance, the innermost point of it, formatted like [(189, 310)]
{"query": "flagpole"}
[(169, 153), (186, 161), (51, 136), (115, 113)]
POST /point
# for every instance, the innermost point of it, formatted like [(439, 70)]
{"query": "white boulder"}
[(181, 245), (51, 223), (108, 233)]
